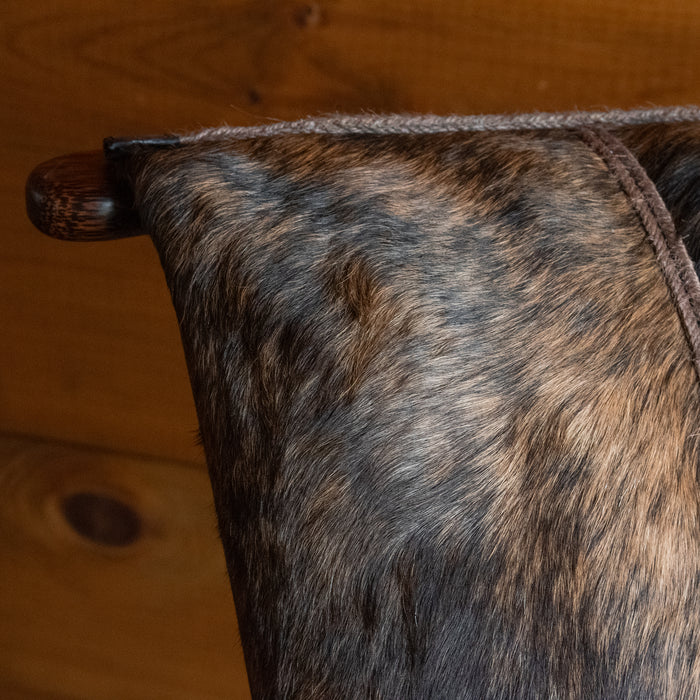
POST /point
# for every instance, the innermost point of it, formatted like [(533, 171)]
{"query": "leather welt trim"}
[(656, 220)]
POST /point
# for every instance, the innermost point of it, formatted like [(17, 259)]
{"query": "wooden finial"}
[(78, 198)]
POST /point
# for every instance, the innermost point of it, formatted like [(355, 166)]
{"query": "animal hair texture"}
[(446, 373)]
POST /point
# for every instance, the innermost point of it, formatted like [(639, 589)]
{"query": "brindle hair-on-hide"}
[(449, 410)]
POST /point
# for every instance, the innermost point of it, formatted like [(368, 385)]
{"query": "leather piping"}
[(671, 253)]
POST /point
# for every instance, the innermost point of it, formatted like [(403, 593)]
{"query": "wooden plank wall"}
[(89, 348)]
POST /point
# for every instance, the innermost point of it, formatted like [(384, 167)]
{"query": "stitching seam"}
[(656, 220)]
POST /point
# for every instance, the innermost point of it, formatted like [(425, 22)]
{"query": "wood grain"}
[(76, 197), (90, 349), (149, 616)]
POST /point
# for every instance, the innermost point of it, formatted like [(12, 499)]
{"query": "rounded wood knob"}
[(77, 197)]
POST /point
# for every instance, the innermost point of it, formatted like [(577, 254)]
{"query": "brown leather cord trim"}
[(407, 124), (412, 124), (670, 250)]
